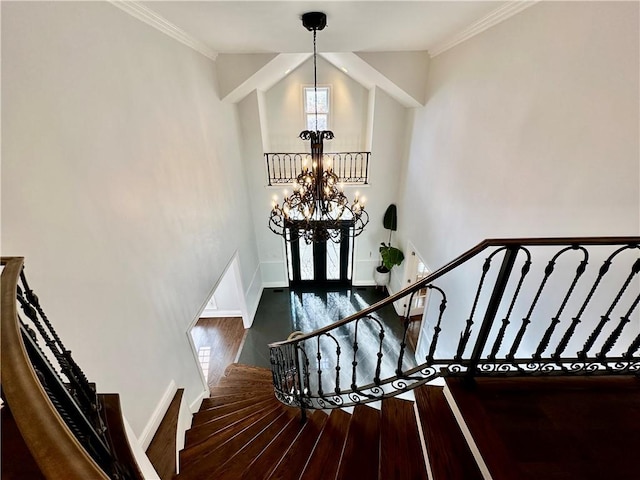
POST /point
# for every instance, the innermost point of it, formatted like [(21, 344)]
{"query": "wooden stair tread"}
[(401, 454), (361, 448), (325, 457), (262, 466), (242, 368), (448, 454), (236, 465), (246, 384), (207, 414), (205, 465), (553, 427), (218, 437), (239, 390), (216, 401), (294, 460), (197, 432)]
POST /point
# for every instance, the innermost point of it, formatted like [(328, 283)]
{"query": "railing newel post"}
[(508, 261)]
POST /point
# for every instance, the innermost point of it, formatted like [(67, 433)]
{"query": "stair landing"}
[(553, 428)]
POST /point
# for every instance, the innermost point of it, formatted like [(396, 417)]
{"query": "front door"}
[(320, 263)]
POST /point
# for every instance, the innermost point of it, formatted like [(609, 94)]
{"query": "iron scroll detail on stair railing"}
[(565, 306)]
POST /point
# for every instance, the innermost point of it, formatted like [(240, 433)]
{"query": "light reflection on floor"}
[(310, 310)]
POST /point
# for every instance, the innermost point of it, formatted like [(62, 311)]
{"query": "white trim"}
[(240, 347), (467, 434), (184, 424), (275, 285), (158, 414), (251, 311), (214, 313), (495, 17), (157, 21), (144, 464), (195, 405), (423, 442)]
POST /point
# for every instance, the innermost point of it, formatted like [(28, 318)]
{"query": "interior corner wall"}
[(530, 130), (123, 186)]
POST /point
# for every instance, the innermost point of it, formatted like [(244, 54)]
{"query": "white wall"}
[(530, 129), (123, 186), (285, 114)]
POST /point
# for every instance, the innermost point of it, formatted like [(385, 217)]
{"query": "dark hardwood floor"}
[(217, 341)]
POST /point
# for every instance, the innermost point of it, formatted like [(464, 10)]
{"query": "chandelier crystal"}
[(317, 209)]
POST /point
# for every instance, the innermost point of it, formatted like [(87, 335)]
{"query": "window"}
[(310, 108)]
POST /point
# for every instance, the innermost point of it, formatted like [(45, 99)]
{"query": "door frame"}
[(319, 259)]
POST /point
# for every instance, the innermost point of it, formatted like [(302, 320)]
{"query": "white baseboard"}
[(158, 414), (275, 285), (195, 405), (214, 313), (144, 464)]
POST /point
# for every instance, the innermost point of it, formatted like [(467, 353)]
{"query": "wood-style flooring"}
[(558, 428), (218, 341)]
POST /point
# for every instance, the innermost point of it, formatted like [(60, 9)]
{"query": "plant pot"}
[(381, 276)]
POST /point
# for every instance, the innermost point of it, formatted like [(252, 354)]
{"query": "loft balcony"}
[(351, 167)]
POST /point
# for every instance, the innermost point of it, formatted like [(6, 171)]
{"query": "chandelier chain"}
[(317, 210)]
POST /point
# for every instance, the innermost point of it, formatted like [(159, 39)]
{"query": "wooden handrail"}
[(57, 452)]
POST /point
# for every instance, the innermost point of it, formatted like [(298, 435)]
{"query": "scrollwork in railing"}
[(546, 287)]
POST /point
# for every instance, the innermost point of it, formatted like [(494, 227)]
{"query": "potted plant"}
[(390, 256)]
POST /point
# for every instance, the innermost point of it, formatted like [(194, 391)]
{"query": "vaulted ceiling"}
[(363, 38)]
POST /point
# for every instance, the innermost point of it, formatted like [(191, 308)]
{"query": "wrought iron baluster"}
[(298, 382), (366, 178), (319, 357), (337, 367), (403, 341), (437, 329), (464, 337), (635, 345), (607, 316), (267, 159), (79, 386), (527, 319), (613, 338), (544, 342), (354, 385), (306, 372), (502, 279), (506, 320), (376, 378)]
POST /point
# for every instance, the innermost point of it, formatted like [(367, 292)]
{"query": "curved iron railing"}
[(57, 410), (564, 306)]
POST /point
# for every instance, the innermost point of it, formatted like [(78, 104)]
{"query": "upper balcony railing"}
[(565, 306), (351, 167)]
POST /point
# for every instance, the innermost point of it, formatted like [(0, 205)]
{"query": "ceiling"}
[(365, 26)]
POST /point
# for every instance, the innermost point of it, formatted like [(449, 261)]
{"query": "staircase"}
[(243, 432)]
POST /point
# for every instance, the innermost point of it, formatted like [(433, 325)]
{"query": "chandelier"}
[(318, 210)]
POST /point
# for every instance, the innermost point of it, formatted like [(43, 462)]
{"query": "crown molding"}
[(148, 16), (498, 15)]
